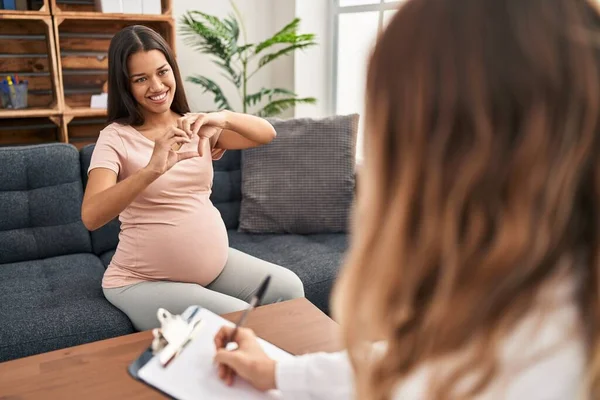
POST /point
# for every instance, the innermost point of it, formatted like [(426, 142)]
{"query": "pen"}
[(255, 302)]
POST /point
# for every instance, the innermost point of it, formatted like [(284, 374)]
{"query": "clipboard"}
[(196, 362), (135, 366)]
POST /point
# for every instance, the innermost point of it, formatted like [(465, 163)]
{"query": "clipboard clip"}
[(174, 334)]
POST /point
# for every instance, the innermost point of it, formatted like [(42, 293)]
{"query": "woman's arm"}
[(105, 199), (242, 131), (238, 131), (318, 376)]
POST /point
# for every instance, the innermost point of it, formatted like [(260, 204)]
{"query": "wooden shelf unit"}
[(83, 58), (31, 130), (27, 49), (42, 9), (88, 8), (61, 49), (82, 130)]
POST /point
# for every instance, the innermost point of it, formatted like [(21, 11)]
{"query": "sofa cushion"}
[(41, 195), (316, 259), (107, 257), (302, 182), (227, 187), (55, 303), (107, 237)]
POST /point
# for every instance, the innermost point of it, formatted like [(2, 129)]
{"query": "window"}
[(356, 25)]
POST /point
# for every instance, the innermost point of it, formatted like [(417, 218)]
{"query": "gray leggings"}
[(229, 292)]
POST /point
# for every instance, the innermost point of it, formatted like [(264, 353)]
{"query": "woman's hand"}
[(203, 125), (248, 361), (164, 157)]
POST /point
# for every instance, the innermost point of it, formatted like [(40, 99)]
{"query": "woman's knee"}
[(287, 285)]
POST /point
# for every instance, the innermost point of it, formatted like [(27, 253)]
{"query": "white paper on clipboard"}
[(193, 374)]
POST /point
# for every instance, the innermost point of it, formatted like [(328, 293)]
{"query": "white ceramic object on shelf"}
[(109, 6), (132, 6), (151, 7)]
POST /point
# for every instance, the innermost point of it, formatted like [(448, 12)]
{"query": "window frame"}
[(336, 11)]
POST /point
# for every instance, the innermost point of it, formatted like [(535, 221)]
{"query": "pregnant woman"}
[(152, 167)]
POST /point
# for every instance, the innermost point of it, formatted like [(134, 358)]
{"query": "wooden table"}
[(99, 370)]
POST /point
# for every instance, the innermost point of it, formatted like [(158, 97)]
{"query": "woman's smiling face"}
[(151, 81)]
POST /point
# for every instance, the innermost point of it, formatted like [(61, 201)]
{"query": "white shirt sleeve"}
[(317, 376), (541, 360)]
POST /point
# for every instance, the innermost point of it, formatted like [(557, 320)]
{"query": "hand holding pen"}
[(249, 359)]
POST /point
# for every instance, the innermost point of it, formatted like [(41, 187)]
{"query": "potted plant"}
[(241, 61)]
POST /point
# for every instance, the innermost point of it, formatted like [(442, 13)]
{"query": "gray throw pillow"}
[(303, 181)]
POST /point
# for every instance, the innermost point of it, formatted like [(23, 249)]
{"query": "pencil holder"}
[(14, 96), (21, 91), (4, 98)]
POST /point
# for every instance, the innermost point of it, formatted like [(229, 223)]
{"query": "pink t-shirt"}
[(171, 231)]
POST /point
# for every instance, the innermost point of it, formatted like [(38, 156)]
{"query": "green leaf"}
[(278, 106), (202, 37), (255, 98), (212, 36), (210, 86), (233, 25), (273, 56), (286, 34), (234, 34), (234, 76), (219, 27), (243, 48)]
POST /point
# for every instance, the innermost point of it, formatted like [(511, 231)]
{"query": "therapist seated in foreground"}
[(476, 248)]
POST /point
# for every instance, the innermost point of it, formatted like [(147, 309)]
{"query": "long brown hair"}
[(481, 172), (122, 106)]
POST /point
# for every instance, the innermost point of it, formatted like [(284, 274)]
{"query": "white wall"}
[(313, 73), (283, 71), (262, 19)]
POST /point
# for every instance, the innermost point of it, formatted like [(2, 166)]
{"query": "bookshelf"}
[(60, 47), (40, 7)]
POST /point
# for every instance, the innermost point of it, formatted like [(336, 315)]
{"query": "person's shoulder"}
[(114, 127), (114, 135), (114, 131)]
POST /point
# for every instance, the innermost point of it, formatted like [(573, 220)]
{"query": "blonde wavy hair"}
[(481, 172)]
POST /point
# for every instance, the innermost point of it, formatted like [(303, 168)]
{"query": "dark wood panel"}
[(22, 27), (24, 64), (78, 99), (106, 27), (79, 80), (39, 100), (43, 134), (67, 7), (43, 82), (22, 123), (84, 44), (38, 4), (84, 62), (85, 128), (23, 46)]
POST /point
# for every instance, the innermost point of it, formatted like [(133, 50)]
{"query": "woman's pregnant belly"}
[(190, 248)]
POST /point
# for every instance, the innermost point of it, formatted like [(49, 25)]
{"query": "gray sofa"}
[(51, 267)]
